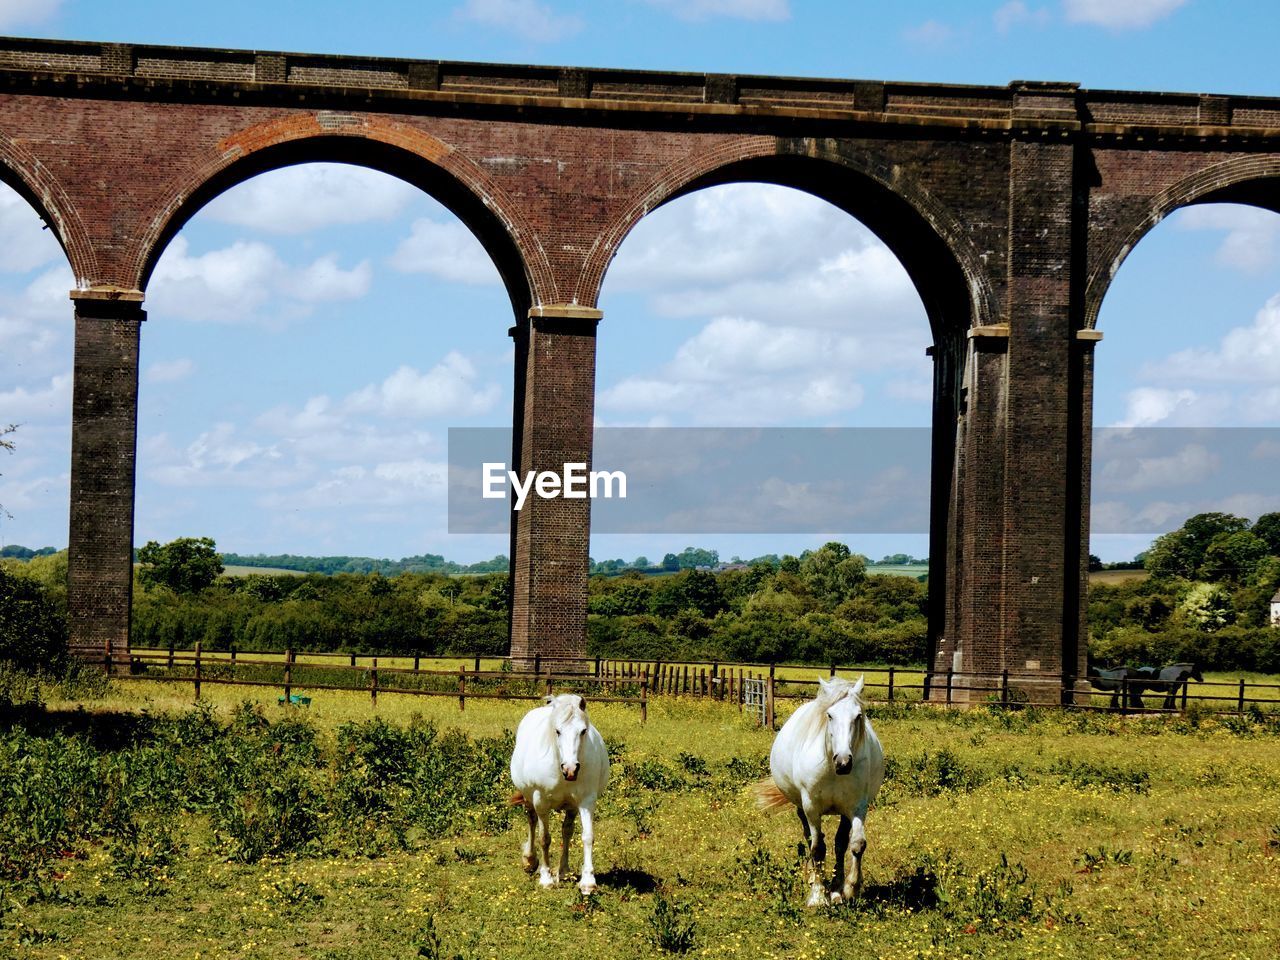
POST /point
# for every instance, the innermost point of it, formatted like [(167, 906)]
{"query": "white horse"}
[(827, 760), (560, 763)]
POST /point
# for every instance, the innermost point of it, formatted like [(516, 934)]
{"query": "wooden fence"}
[(634, 681)]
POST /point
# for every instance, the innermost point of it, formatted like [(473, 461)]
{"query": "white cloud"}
[(931, 33), (388, 484), (13, 12), (1147, 406), (450, 387), (737, 371), (1251, 233), (1016, 13), (1191, 465), (1119, 14), (311, 196), (446, 250), (532, 20), (169, 371), (51, 400), (777, 255), (28, 244), (737, 9), (219, 457), (233, 284), (1249, 353)]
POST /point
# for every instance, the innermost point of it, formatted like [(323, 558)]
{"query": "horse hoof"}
[(530, 864), (836, 898), (586, 889), (816, 899), (546, 880)]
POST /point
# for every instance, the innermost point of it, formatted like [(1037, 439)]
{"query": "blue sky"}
[(313, 333)]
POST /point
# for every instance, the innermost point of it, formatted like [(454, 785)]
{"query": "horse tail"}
[(768, 797), (516, 799)]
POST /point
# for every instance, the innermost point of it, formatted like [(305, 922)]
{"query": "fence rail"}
[(757, 687)]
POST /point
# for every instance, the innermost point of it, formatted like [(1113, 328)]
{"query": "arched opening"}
[(1187, 371), (36, 354), (313, 331), (787, 292)]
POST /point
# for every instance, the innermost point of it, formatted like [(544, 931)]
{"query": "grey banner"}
[(856, 480)]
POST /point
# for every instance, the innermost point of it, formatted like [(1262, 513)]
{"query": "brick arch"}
[(1227, 182), (33, 181), (803, 164), (391, 147)]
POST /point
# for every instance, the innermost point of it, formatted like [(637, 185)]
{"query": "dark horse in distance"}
[(1167, 680)]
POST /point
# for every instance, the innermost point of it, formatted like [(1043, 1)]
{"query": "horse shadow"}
[(628, 878), (104, 730)]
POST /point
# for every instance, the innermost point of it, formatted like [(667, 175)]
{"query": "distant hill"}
[(427, 563)]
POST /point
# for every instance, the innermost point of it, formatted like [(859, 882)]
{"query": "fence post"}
[(927, 685), (477, 663), (1185, 684), (288, 675), (417, 662), (373, 683), (233, 655), (644, 698), (548, 684), (768, 700), (833, 669), (1240, 700), (170, 654), (197, 680), (1004, 688), (1068, 690), (537, 664), (1124, 696), (597, 668), (891, 684), (462, 688), (951, 675), (353, 659)]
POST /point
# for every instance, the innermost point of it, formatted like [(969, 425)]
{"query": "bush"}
[(33, 633)]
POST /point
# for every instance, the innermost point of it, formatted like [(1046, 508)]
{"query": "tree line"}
[(1205, 599)]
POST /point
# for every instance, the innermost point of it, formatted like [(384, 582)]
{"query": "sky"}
[(314, 332)]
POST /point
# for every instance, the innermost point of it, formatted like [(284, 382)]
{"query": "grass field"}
[(1025, 834)]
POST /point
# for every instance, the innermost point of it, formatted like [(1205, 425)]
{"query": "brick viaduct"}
[(1010, 207)]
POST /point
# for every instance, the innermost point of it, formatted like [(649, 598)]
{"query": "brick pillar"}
[(1020, 519), (104, 428), (1075, 650), (552, 537), (1043, 469)]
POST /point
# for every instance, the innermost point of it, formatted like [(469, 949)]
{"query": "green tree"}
[(670, 563), (1232, 557), (832, 572), (1267, 529), (6, 445), (186, 565), (1182, 552)]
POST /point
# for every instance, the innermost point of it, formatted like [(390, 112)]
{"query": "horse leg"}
[(812, 822), (857, 846), (566, 835), (842, 846), (545, 876), (528, 857), (587, 883)]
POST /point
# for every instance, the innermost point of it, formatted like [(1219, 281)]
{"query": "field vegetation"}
[(134, 825)]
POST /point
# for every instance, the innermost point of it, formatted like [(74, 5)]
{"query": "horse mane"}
[(835, 690), (565, 707)]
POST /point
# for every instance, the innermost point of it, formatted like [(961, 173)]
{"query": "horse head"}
[(569, 717), (846, 723)]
